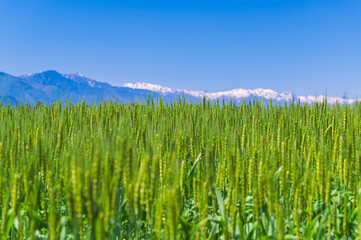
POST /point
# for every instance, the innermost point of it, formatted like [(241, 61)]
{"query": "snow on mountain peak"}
[(27, 75), (234, 94), (241, 93), (149, 86), (74, 75), (31, 74)]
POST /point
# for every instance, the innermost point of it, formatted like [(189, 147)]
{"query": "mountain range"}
[(51, 86)]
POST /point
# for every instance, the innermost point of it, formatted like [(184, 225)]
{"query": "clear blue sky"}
[(304, 47)]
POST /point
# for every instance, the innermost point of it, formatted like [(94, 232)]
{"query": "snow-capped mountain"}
[(81, 78), (240, 94), (50, 86), (150, 87)]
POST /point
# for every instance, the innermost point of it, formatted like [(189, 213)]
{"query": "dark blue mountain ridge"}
[(51, 86)]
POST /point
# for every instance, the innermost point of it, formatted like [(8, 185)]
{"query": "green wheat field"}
[(180, 171)]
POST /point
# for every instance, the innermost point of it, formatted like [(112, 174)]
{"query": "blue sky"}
[(303, 47)]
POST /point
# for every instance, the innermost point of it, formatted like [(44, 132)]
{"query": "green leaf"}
[(191, 172), (199, 225), (220, 203)]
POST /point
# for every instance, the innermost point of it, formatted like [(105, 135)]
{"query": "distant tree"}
[(38, 104)]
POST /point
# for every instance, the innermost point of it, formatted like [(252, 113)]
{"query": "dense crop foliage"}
[(180, 171)]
